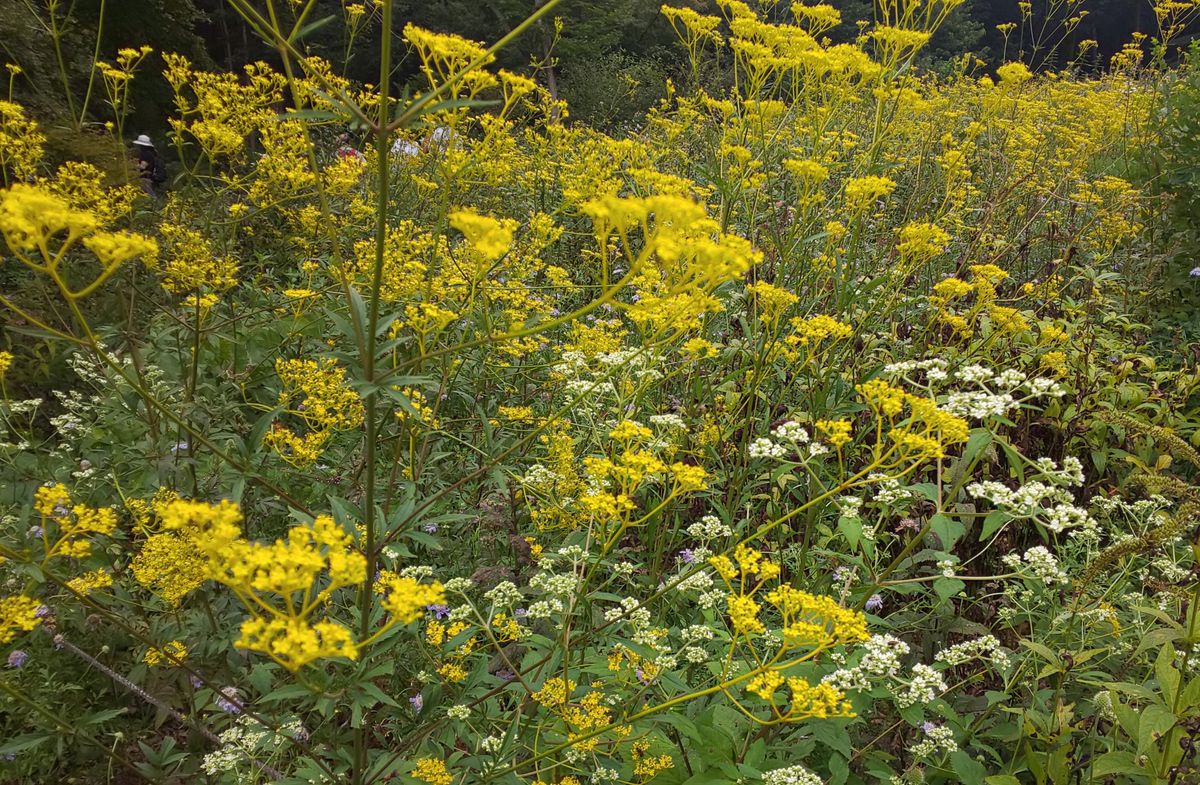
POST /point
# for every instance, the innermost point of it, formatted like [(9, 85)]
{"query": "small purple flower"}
[(196, 682), (17, 658), (227, 698), (35, 531), (180, 447), (520, 613), (504, 674), (430, 528), (417, 702), (874, 603), (687, 556), (439, 610), (555, 312), (1195, 273), (929, 727)]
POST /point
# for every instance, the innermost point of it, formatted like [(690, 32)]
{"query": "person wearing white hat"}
[(149, 165)]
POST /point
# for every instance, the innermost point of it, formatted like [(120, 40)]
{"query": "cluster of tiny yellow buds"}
[(837, 432), (862, 192), (432, 771), (17, 614), (814, 330), (489, 237), (743, 615), (294, 642), (645, 766), (842, 625), (405, 598), (30, 215), (555, 692), (318, 392), (171, 653), (819, 701), (170, 565), (689, 478), (73, 523), (90, 582), (920, 243), (630, 430), (6, 360), (772, 301), (214, 525)]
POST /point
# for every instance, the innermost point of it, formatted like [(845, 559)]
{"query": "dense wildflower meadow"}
[(825, 427)]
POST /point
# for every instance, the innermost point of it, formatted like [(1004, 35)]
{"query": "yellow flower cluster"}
[(90, 581), (432, 771), (21, 144), (924, 434), (17, 614), (282, 583), (169, 565), (406, 598), (66, 526), (808, 625), (171, 653), (316, 391)]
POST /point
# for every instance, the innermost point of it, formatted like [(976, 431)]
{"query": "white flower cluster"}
[(668, 422), (792, 432), (792, 775), (1044, 502), (555, 584), (538, 476), (934, 368), (544, 609), (938, 739), (417, 572), (459, 711), (880, 660), (459, 585), (763, 447), (791, 438), (246, 739), (924, 687), (890, 491), (1041, 564), (985, 648), (503, 595), (709, 528)]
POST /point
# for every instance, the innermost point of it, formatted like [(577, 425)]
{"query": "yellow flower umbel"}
[(432, 771), (17, 614), (169, 654), (317, 392), (66, 526), (283, 584), (807, 625)]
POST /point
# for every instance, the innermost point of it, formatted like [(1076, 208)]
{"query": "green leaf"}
[(947, 529), (22, 743), (1168, 677), (1002, 779), (1156, 721), (969, 770), (1121, 762), (992, 523), (948, 587), (835, 737)]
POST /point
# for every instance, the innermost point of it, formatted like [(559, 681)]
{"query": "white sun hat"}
[(143, 141)]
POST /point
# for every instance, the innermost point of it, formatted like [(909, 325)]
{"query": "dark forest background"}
[(609, 62)]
